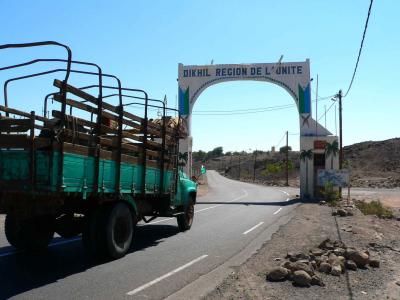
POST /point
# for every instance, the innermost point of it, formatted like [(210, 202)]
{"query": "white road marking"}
[(234, 200), (159, 221), (207, 208), (145, 286), (252, 228), (51, 245), (203, 209), (278, 211), (286, 193)]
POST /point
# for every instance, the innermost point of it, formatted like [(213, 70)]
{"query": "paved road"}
[(231, 222)]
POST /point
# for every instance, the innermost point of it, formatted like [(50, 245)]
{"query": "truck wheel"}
[(108, 231), (68, 226), (185, 220), (32, 233), (118, 230)]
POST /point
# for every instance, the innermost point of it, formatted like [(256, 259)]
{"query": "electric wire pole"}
[(254, 166), (287, 158), (239, 167), (340, 131)]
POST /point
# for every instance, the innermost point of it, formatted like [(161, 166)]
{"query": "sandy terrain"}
[(312, 224)]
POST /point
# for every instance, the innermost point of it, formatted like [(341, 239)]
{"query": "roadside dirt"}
[(310, 226), (202, 187)]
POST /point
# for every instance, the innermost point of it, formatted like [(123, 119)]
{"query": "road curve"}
[(231, 222)]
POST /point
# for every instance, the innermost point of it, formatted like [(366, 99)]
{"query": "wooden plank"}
[(17, 128), (77, 92), (137, 128), (14, 141), (21, 113), (15, 122)]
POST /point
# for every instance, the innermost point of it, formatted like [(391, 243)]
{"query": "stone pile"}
[(330, 257), (342, 212)]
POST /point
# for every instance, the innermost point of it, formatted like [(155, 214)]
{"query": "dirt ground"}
[(202, 187), (312, 224)]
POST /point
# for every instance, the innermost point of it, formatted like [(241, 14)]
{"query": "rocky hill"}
[(372, 164)]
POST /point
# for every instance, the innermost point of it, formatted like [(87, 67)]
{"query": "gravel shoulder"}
[(311, 225)]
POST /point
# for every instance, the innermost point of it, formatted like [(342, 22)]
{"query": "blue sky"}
[(142, 42)]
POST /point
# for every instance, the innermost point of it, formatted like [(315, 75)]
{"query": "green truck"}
[(89, 167)]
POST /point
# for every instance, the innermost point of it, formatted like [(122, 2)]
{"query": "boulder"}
[(342, 212), (277, 274), (350, 265), (301, 278), (336, 270), (297, 266), (359, 257), (325, 267)]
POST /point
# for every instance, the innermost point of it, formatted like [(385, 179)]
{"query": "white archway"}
[(294, 77)]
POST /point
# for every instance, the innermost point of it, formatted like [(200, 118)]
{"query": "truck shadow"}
[(269, 203), (22, 272)]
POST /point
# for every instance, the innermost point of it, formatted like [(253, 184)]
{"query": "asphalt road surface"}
[(231, 222)]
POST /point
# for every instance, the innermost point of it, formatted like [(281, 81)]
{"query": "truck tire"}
[(108, 231), (186, 219), (68, 226), (118, 230), (33, 233)]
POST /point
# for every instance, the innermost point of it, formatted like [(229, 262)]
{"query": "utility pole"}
[(316, 110), (340, 131), (254, 166), (287, 158), (325, 115), (239, 166)]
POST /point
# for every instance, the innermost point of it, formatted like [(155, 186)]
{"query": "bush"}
[(331, 196), (374, 208)]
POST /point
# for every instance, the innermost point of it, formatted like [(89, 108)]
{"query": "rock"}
[(302, 256), (322, 202), (316, 280), (301, 278), (317, 252), (287, 265), (334, 213), (325, 267), (289, 255), (326, 245), (277, 259), (303, 267), (349, 213), (340, 244), (359, 257), (339, 251), (278, 274), (313, 264), (341, 212), (293, 259), (398, 283), (350, 265), (375, 263), (336, 270)]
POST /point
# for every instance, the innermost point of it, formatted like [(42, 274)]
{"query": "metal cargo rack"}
[(111, 134)]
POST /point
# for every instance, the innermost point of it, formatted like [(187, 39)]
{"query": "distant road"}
[(232, 221)]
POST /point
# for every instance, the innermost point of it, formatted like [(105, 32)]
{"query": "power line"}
[(323, 115), (361, 47), (250, 110), (281, 140)]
